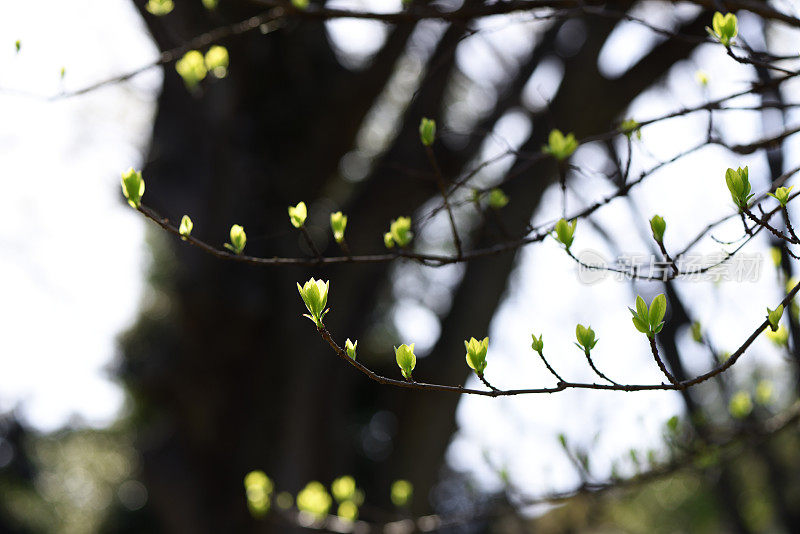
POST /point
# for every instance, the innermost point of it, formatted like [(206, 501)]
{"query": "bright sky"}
[(72, 258)]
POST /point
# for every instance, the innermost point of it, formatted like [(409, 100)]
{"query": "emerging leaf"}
[(565, 232), (238, 239), (133, 187), (476, 354), (400, 231), (658, 225), (298, 214), (350, 348), (338, 224), (538, 344), (406, 359), (497, 199), (186, 226), (427, 131), (159, 8), (192, 68), (560, 146), (781, 194)]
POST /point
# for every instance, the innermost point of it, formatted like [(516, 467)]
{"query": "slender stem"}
[(774, 231), (788, 223), (486, 382), (549, 368), (596, 370), (667, 258), (654, 350)]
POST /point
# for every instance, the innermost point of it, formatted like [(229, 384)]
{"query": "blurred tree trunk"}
[(225, 374)]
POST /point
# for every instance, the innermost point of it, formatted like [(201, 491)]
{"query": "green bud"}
[(559, 146), (782, 195), (217, 61), (338, 224), (629, 127), (210, 4), (774, 317), (476, 354), (238, 239), (724, 28), (350, 348), (347, 511), (133, 187), (697, 332), (406, 359), (314, 499), (343, 488), (258, 488), (565, 232), (300, 4), (62, 72), (585, 336), (159, 8), (298, 214), (702, 77), (739, 186), (740, 405), (18, 45), (649, 322), (315, 296), (192, 68), (401, 492), (186, 226), (497, 199), (400, 231), (658, 225), (387, 240), (538, 344), (427, 131)]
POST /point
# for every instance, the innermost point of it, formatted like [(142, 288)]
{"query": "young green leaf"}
[(315, 296), (781, 194), (538, 344), (133, 187), (159, 8), (658, 226), (476, 354), (724, 28), (217, 61), (565, 232), (192, 68), (560, 146), (186, 226), (338, 225), (739, 186), (238, 239), (400, 232), (406, 359), (427, 131), (774, 317), (497, 199), (630, 127), (350, 348), (298, 214), (585, 336)]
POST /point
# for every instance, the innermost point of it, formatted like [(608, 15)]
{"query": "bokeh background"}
[(141, 379)]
